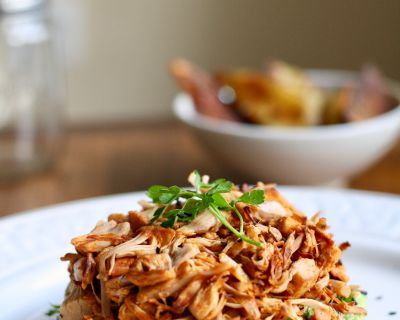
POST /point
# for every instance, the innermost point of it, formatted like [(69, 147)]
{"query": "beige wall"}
[(117, 51)]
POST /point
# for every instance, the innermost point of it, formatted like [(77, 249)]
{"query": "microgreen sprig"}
[(206, 196)]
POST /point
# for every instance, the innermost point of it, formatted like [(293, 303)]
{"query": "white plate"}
[(32, 277)]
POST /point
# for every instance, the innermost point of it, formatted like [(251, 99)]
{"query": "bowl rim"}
[(185, 111)]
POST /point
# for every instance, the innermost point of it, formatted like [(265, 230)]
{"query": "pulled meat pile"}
[(127, 268)]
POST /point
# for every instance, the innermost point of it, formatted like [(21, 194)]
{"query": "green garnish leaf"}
[(157, 214), (194, 206), (220, 201), (155, 192), (254, 197), (172, 218), (308, 312), (54, 310), (220, 186), (197, 201), (348, 299), (169, 195)]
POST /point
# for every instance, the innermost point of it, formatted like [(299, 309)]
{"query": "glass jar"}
[(31, 88)]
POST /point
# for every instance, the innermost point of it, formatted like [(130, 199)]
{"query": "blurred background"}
[(117, 54), (108, 125)]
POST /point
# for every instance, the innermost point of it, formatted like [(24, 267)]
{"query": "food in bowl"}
[(217, 251), (282, 95)]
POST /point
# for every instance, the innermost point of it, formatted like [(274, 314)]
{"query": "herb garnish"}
[(54, 310), (346, 299), (308, 312), (206, 196)]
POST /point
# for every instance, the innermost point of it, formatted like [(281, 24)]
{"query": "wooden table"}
[(100, 161)]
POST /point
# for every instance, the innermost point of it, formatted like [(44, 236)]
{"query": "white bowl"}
[(312, 155)]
